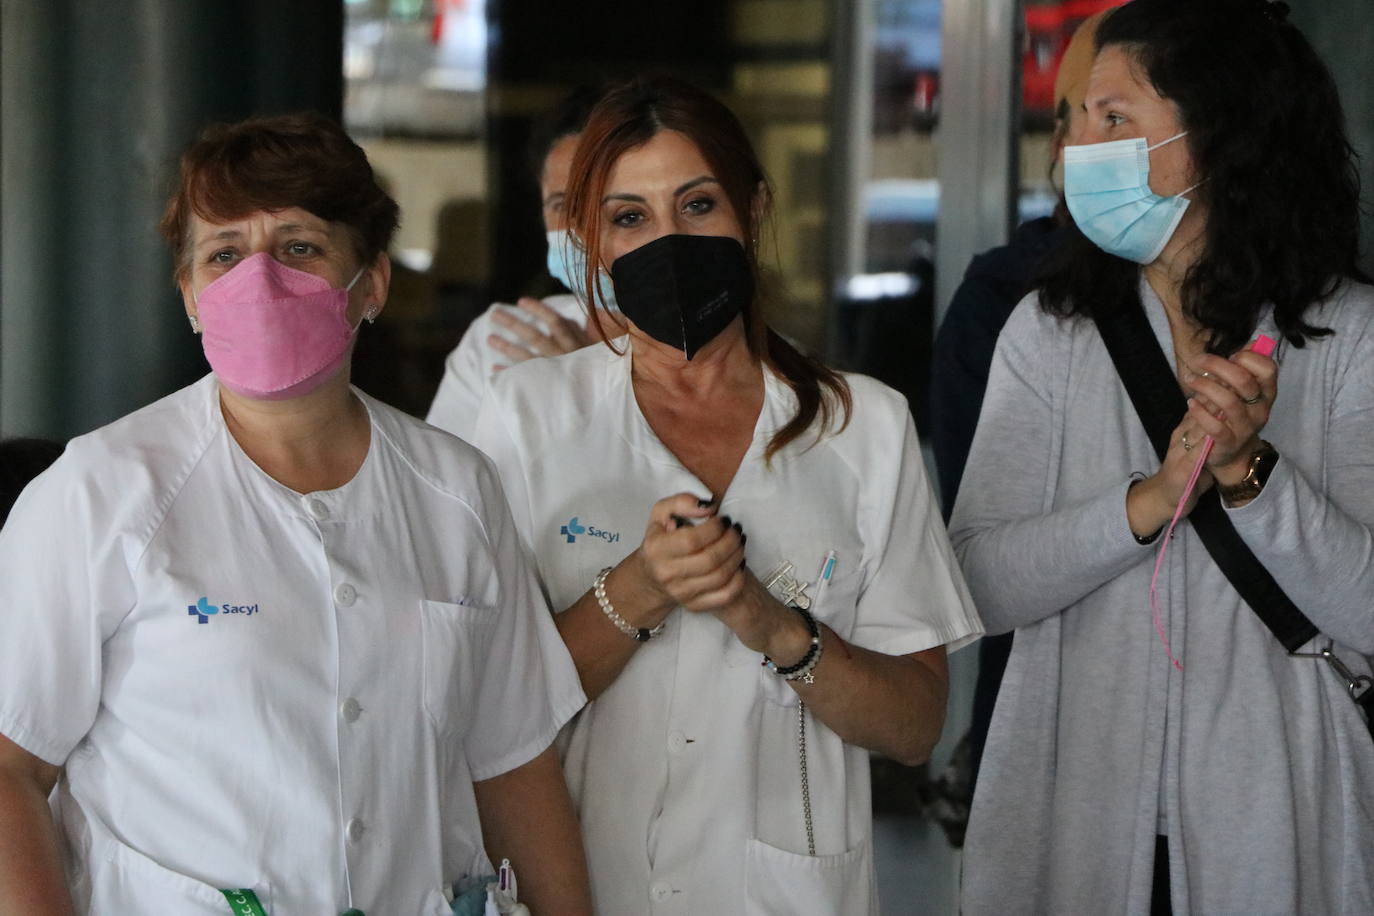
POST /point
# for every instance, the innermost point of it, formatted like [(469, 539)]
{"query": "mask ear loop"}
[(371, 314), (1150, 149), (1192, 188)]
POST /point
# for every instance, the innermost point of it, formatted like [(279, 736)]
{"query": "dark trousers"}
[(1159, 894)]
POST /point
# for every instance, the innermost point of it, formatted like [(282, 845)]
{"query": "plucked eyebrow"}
[(681, 189), (554, 198), (1109, 102)]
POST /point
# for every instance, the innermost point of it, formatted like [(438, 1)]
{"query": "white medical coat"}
[(255, 688), (469, 368), (685, 771)]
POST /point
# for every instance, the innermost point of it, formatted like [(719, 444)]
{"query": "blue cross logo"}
[(572, 529), (202, 610)]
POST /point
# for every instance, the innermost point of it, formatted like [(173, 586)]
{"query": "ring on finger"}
[(1259, 396), (1183, 441)]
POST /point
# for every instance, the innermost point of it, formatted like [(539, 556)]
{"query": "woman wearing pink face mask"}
[(274, 642)]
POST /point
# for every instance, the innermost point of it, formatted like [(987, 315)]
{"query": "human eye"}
[(627, 219), (699, 206), (223, 257), (1114, 119), (298, 249)]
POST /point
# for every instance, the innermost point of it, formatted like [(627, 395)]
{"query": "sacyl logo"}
[(203, 610), (572, 529)]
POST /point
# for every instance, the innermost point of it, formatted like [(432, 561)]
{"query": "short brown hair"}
[(298, 160)]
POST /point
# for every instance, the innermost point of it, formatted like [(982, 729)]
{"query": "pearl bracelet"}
[(802, 670), (643, 634)]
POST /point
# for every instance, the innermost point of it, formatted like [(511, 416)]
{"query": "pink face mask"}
[(272, 332)]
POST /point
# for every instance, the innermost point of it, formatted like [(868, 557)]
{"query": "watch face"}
[(1249, 486), (1262, 464)]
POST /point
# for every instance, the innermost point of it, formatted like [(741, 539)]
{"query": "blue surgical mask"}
[(1107, 189), (567, 264)]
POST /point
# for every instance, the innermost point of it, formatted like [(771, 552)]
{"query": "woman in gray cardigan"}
[(1193, 764)]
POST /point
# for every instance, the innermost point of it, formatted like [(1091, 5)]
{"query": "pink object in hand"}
[(1264, 345)]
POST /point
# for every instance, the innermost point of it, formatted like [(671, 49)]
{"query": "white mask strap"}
[(1192, 189), (1164, 142), (349, 287)]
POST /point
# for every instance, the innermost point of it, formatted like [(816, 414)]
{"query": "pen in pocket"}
[(824, 575)]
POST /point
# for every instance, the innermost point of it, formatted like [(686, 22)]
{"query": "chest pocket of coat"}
[(457, 639)]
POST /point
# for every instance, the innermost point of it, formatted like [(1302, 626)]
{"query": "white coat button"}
[(317, 509), (660, 891), (351, 710), (355, 829), (676, 742), (345, 594)]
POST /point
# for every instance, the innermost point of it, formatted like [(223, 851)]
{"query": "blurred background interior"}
[(903, 137)]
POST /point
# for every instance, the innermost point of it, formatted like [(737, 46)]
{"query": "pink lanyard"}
[(1264, 346)]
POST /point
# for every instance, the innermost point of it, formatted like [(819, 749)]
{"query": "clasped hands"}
[(693, 557), (1230, 401)]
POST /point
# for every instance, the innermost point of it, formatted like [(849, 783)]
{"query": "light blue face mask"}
[(1107, 189), (567, 264)]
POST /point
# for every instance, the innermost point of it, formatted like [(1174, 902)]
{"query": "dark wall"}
[(98, 101), (1343, 33)]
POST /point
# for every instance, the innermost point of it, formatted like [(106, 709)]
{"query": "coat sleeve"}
[(466, 375), (1315, 536), (915, 597), (530, 688), (1025, 557), (65, 586)]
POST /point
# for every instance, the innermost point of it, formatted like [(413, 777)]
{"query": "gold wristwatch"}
[(1250, 486)]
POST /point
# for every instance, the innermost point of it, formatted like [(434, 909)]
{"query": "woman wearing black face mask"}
[(724, 755)]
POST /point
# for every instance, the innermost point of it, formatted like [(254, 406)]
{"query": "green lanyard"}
[(244, 902)]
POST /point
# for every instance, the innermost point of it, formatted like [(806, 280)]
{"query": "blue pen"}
[(827, 570)]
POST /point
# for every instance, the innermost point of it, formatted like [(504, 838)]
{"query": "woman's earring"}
[(195, 324), (371, 314)]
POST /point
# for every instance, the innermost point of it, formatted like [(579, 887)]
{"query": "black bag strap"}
[(1144, 370)]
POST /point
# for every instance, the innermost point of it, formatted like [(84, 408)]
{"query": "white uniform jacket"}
[(468, 370), (253, 688), (685, 771)]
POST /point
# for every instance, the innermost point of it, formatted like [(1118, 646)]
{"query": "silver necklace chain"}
[(805, 785)]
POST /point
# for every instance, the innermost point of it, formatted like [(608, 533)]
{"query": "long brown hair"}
[(630, 115)]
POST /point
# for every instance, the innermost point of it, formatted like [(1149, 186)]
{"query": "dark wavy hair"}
[(565, 119), (627, 117), (271, 163), (1267, 133)]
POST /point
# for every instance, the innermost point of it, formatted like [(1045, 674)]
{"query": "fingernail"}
[(703, 503), (681, 522), (743, 539), (738, 528), (726, 520), (741, 563)]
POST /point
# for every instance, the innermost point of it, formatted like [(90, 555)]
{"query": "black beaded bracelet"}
[(1143, 539), (802, 669)]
